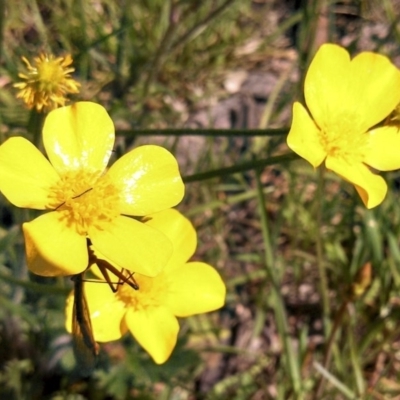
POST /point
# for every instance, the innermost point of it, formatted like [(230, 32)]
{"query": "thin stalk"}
[(278, 303), (334, 381), (84, 60), (163, 49), (256, 164), (329, 347), (35, 125), (121, 43), (40, 25), (168, 45), (200, 25), (83, 50), (355, 360), (2, 24), (324, 291), (273, 97), (35, 287), (232, 199), (202, 132)]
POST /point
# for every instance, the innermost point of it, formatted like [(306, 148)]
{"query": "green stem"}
[(35, 125), (202, 132), (162, 51), (35, 287), (198, 27), (84, 59), (40, 25), (256, 164), (329, 346), (324, 291), (278, 301), (2, 25)]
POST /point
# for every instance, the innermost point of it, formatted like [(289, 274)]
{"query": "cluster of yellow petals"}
[(346, 100), (47, 82), (122, 215), (85, 201), (150, 313)]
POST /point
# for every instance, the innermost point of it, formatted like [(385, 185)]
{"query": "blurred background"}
[(214, 82)]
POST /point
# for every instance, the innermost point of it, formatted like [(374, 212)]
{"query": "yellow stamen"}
[(85, 199), (152, 292), (342, 140)]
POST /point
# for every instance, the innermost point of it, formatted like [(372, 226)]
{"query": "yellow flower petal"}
[(81, 135), (195, 288), (106, 311), (25, 174), (346, 98), (363, 91), (303, 137), (371, 188), (179, 231), (52, 248), (156, 330), (375, 85), (384, 146), (148, 179), (133, 245), (325, 86)]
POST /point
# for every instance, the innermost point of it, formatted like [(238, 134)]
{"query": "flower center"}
[(152, 292), (47, 82), (50, 74), (342, 140), (85, 199)]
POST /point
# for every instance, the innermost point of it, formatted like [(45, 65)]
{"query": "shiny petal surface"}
[(326, 83), (133, 245), (148, 180), (52, 248), (179, 231), (303, 137), (195, 288), (156, 330), (371, 188), (375, 85), (356, 93), (79, 136), (25, 174), (383, 151)]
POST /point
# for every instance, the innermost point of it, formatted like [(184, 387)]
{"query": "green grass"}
[(265, 219)]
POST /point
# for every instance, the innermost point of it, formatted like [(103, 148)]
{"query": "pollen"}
[(85, 200), (152, 293)]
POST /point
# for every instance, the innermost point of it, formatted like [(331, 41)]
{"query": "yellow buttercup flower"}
[(87, 204), (47, 82), (182, 289), (346, 99)]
